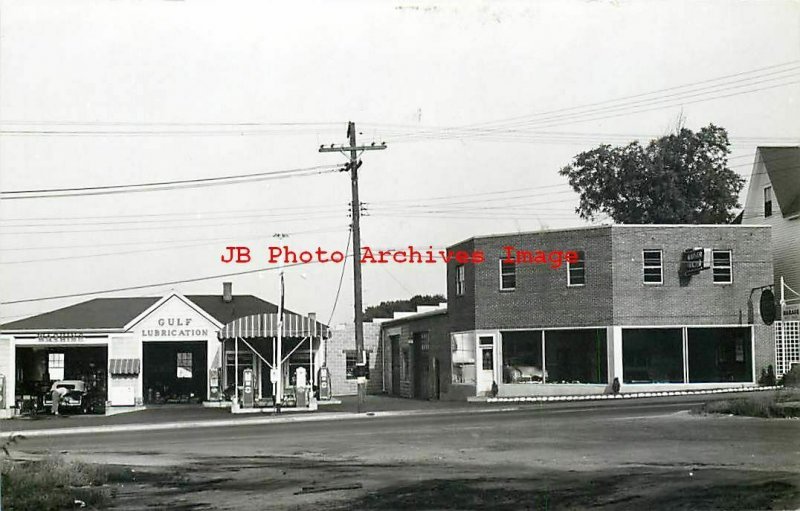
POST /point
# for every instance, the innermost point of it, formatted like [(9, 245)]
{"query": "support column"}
[(614, 348)]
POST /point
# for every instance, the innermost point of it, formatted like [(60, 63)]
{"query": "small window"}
[(576, 272), (652, 267), (508, 274), (721, 267), (460, 280), (55, 366), (350, 361), (767, 201), (184, 365)]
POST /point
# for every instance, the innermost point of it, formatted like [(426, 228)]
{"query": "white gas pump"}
[(248, 396)]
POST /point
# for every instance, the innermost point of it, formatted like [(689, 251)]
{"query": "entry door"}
[(396, 363), (485, 369)]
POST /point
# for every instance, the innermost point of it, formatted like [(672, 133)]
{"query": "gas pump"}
[(213, 383), (248, 398), (324, 382), (300, 387)]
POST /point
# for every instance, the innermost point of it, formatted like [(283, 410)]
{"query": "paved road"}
[(617, 455)]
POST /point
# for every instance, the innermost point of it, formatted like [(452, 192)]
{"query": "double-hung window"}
[(721, 267), (767, 201), (508, 275), (460, 281), (652, 267), (184, 365), (576, 272)]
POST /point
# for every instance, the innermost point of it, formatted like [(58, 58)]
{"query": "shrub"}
[(52, 483), (792, 378), (767, 377)]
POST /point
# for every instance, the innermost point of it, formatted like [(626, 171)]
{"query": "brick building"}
[(623, 309), (628, 302)]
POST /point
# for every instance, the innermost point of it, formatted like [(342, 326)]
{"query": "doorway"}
[(174, 372)]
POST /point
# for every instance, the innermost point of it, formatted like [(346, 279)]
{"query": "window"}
[(652, 267), (721, 267), (487, 353), (719, 355), (406, 365), (350, 361), (522, 357), (246, 361), (576, 272), (767, 201), (508, 274), (652, 355), (460, 280), (184, 365), (576, 356), (55, 365), (463, 358)]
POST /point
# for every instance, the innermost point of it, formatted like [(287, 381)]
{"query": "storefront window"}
[(522, 357), (576, 356), (719, 355), (246, 361), (652, 355), (463, 354)]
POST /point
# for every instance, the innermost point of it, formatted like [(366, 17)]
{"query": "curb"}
[(630, 395)]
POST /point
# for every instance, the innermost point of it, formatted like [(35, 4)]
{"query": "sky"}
[(479, 103)]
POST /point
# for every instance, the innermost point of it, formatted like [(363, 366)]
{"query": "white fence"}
[(787, 346)]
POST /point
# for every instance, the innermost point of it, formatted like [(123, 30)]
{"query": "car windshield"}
[(68, 386)]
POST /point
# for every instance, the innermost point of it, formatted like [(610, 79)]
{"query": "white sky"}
[(414, 64)]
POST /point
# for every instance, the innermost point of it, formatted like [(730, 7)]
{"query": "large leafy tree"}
[(682, 178)]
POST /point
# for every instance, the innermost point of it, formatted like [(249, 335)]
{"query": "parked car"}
[(74, 399)]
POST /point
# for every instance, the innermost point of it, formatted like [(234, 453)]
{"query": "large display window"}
[(652, 355), (463, 357), (576, 356), (718, 355), (522, 357)]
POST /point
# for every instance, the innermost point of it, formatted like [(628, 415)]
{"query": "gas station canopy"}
[(266, 325)]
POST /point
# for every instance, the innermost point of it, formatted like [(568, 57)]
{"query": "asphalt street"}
[(613, 455)]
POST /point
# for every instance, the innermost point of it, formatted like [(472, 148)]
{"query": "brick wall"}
[(541, 297), (343, 339)]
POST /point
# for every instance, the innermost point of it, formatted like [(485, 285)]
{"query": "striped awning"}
[(123, 366), (266, 325)]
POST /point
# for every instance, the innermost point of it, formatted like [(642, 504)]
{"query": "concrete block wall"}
[(343, 339)]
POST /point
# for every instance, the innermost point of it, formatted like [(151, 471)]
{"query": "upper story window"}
[(460, 280), (576, 272), (767, 201), (653, 267), (508, 274), (722, 267)]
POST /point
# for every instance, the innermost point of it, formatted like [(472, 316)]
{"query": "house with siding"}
[(773, 198)]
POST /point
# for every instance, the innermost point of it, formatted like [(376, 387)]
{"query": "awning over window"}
[(124, 366), (266, 325)]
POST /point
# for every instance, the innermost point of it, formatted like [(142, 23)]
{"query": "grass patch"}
[(52, 483), (781, 404)]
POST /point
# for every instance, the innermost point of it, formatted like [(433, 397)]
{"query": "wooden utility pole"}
[(353, 165)]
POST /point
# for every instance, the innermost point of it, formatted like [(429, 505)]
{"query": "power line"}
[(341, 275), (145, 286), (165, 185)]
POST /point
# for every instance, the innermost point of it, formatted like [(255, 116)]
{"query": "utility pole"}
[(277, 351), (353, 165)]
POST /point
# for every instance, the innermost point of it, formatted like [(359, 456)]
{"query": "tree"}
[(682, 178), (386, 309)]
